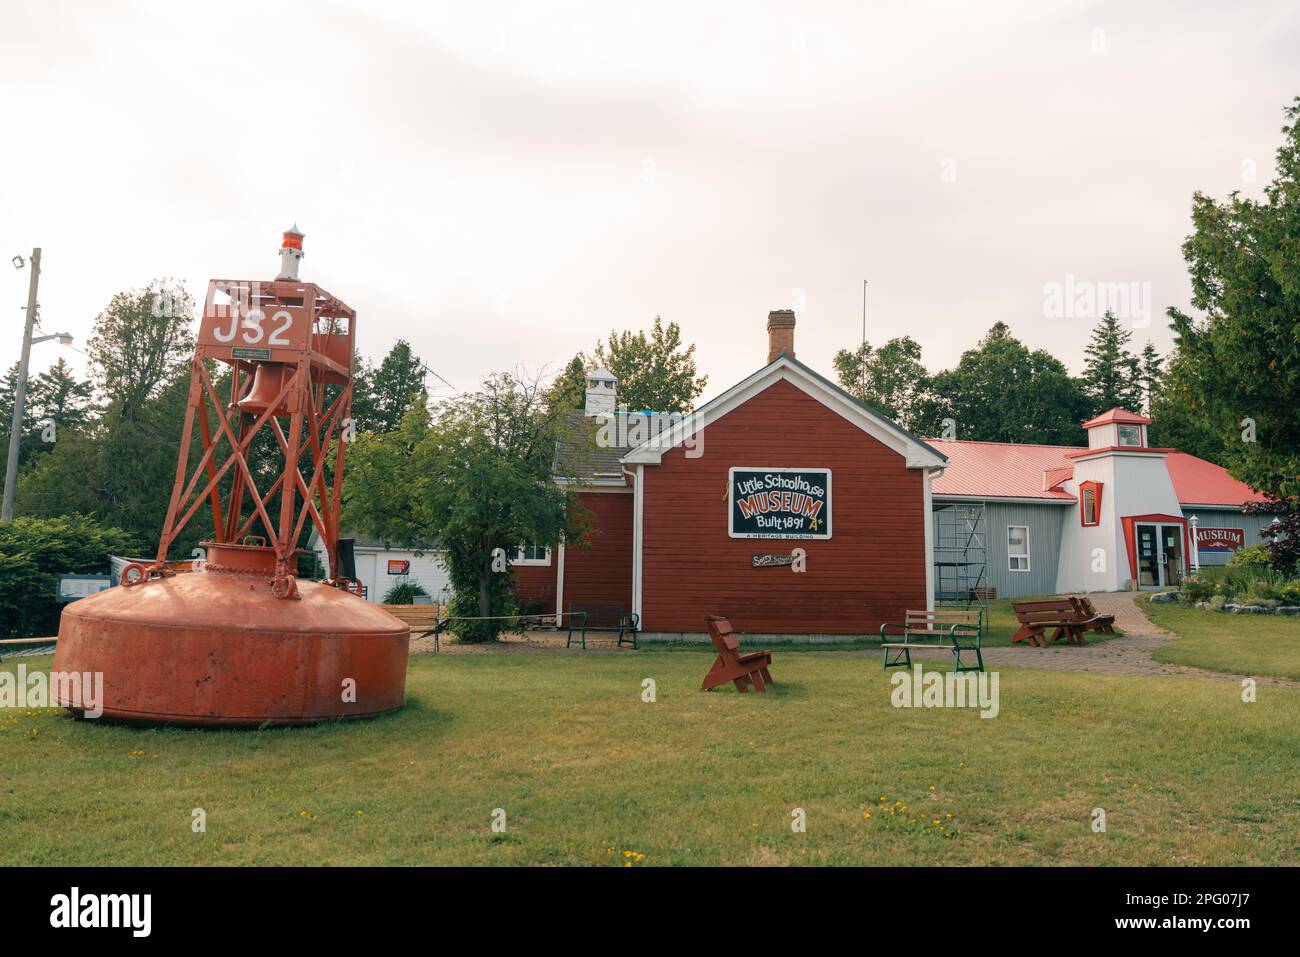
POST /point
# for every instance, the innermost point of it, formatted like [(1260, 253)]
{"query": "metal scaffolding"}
[(960, 557)]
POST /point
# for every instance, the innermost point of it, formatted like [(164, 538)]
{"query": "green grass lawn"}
[(1238, 644), (1002, 624), (586, 771)]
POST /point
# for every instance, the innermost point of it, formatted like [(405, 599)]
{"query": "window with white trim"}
[(1018, 548), (529, 555), (1130, 435)]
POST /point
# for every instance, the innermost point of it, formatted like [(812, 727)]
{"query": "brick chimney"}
[(780, 333)]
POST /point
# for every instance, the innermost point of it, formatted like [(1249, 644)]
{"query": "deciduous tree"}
[(655, 374), (891, 378), (474, 477), (1242, 356)]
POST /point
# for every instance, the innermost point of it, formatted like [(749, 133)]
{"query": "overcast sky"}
[(502, 184)]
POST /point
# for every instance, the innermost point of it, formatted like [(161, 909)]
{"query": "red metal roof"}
[(1009, 470), (1000, 469), (1123, 416), (1198, 482)]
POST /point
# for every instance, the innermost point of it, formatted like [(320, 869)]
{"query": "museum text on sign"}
[(1220, 539), (780, 503)]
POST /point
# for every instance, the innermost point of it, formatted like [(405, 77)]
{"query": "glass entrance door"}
[(1171, 549), (1148, 555), (1159, 555)]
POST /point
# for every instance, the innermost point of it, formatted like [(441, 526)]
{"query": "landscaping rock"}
[(1165, 596), (1288, 610)]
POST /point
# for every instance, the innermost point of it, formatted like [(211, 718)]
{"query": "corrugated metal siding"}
[(1044, 523), (871, 570), (1214, 518)]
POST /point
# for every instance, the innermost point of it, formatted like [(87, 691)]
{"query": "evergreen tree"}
[(382, 394), (1150, 365), (58, 397), (1113, 375)]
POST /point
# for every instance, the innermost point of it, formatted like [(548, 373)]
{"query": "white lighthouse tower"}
[(290, 253)]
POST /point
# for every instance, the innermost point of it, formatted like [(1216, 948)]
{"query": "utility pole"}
[(20, 394), (862, 366)]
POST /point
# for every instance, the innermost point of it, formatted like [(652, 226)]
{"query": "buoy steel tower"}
[(234, 637)]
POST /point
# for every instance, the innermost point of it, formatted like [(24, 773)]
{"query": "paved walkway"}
[(1129, 654)]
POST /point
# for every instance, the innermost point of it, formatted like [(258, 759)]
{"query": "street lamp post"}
[(20, 392)]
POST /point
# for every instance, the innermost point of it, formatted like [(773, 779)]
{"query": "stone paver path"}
[(1129, 654)]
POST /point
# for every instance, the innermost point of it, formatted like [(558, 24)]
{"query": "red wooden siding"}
[(536, 583), (604, 572), (871, 570), (601, 574)]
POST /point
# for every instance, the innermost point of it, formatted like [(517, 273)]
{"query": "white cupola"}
[(1117, 429), (602, 390)]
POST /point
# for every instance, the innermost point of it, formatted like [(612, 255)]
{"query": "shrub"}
[(403, 593), (34, 552), (465, 609), (1196, 588), (1252, 556)]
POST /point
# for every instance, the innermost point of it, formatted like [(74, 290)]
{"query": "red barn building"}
[(784, 503)]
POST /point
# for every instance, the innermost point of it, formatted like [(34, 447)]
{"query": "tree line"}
[(1002, 391), (474, 472)]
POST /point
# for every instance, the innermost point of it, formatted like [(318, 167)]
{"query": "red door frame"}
[(1130, 538)]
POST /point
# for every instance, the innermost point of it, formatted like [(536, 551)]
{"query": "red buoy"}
[(236, 638)]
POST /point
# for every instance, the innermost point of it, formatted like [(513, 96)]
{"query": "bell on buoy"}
[(268, 381)]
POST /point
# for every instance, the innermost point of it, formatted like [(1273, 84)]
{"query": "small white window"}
[(1018, 548), (530, 555), (1130, 435), (1089, 506)]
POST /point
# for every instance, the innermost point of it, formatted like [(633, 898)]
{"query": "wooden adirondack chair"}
[(1089, 616), (731, 665)]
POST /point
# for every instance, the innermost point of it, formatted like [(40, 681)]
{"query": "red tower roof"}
[(1117, 415)]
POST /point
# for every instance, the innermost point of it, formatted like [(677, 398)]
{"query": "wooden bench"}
[(424, 621), (956, 628), (1088, 616), (1058, 614), (601, 616), (731, 665)]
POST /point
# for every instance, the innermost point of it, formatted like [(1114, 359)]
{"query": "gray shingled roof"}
[(580, 457)]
